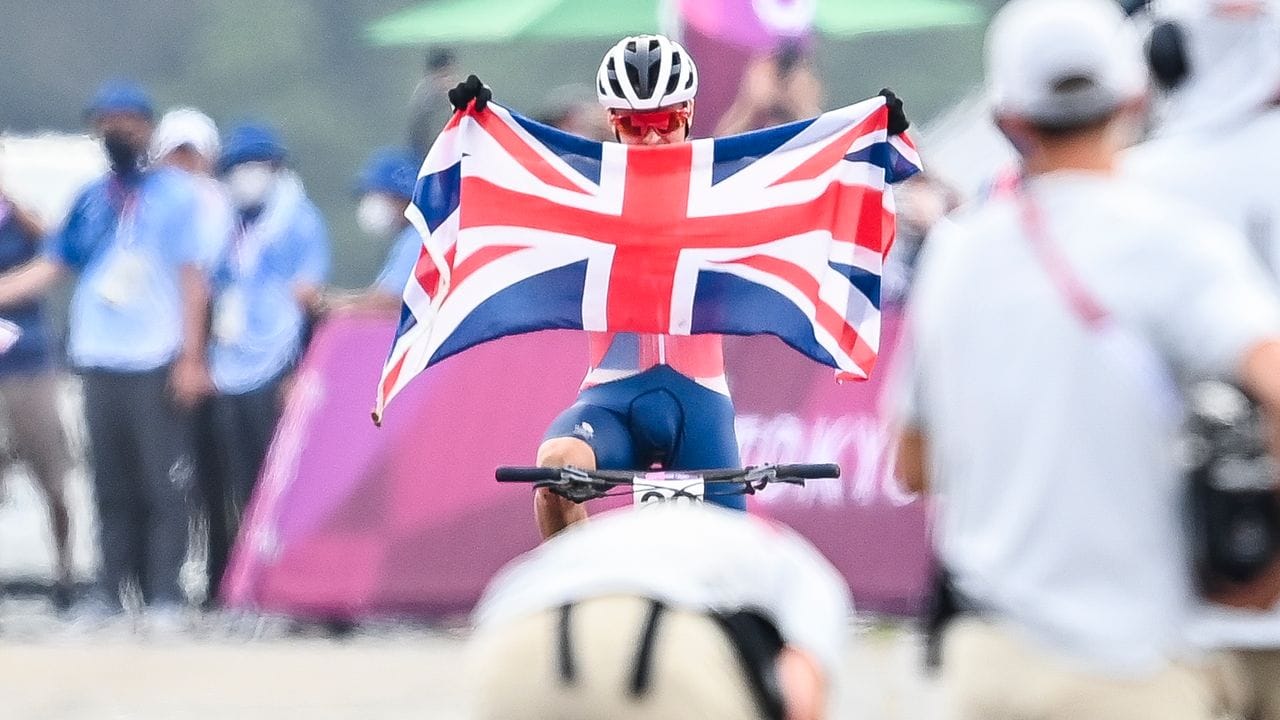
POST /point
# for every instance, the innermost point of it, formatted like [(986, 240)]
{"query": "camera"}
[(1234, 508)]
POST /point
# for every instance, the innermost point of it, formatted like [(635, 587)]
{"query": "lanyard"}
[(1129, 352), (125, 199), (238, 241), (246, 246), (1080, 300)]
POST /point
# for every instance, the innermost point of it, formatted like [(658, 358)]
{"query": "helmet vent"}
[(613, 80), (673, 78), (633, 75), (655, 64)]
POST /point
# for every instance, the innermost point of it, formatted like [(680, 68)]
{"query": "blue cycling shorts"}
[(658, 417)]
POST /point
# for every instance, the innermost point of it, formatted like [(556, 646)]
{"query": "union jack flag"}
[(781, 231)]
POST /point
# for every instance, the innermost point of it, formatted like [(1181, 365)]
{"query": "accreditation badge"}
[(230, 316), (10, 333), (123, 280)]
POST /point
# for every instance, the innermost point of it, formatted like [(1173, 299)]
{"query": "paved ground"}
[(315, 680), (53, 669)]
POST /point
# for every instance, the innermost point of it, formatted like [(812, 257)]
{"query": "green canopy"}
[(461, 21)]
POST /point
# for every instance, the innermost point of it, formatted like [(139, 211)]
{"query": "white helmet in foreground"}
[(646, 72)]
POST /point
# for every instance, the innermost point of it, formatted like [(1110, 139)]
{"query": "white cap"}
[(1232, 49), (1063, 61), (185, 126)]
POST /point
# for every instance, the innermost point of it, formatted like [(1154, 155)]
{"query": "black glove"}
[(898, 122), (472, 89)]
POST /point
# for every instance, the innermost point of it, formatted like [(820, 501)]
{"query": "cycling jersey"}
[(657, 416), (615, 356)]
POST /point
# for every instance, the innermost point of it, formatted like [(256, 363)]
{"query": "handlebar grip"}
[(508, 473), (809, 471)]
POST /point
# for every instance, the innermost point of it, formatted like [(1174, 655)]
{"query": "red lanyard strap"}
[(122, 195), (1082, 303)]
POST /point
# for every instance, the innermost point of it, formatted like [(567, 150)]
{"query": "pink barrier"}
[(352, 521)]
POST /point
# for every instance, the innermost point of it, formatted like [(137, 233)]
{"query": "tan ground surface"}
[(56, 672)]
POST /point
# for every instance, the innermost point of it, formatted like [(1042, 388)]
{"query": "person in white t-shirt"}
[(1217, 147), (671, 611), (1050, 328)]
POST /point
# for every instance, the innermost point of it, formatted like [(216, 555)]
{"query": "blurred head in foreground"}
[(1217, 62), (673, 611), (1065, 76)]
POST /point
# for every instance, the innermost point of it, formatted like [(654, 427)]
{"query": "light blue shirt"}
[(259, 325), (400, 261), (128, 243)]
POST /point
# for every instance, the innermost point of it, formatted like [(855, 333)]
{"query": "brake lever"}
[(571, 474), (573, 491), (760, 475), (576, 485)]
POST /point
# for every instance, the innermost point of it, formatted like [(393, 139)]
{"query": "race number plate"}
[(661, 487)]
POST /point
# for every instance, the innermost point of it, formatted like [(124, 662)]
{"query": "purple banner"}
[(726, 35), (354, 521), (753, 24)]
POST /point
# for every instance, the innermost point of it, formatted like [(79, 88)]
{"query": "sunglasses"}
[(638, 124)]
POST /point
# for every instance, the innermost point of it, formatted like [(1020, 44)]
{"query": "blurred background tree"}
[(309, 67)]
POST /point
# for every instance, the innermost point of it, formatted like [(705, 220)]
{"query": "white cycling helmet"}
[(646, 72)]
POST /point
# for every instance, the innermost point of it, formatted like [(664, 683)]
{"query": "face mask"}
[(377, 216), (124, 157), (249, 183)]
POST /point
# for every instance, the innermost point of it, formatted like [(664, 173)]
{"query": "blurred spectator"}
[(921, 203), (1217, 147), (573, 109), (385, 188), (264, 292), (1048, 325), (776, 89), (187, 139), (673, 611), (137, 336), (29, 385), (428, 107)]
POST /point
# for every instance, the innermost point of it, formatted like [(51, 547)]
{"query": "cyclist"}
[(647, 399)]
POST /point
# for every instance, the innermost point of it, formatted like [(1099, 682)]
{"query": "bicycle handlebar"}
[(794, 471), (579, 485), (809, 471), (526, 474)]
